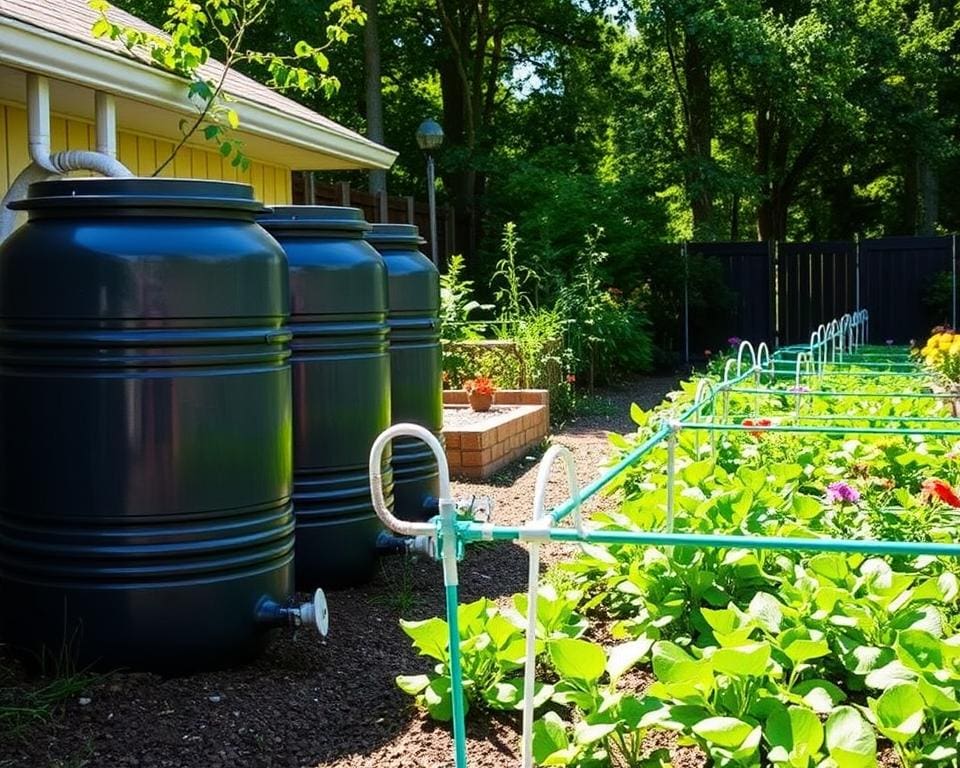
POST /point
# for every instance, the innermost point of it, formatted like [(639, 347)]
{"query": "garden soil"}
[(333, 702)]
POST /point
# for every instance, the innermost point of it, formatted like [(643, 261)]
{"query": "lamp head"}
[(429, 135)]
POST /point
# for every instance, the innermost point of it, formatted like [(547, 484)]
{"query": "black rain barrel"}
[(416, 367), (341, 388), (145, 424)]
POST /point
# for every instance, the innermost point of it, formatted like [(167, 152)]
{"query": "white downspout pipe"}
[(45, 163), (106, 111)]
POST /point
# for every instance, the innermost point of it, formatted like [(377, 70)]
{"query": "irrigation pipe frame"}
[(829, 345)]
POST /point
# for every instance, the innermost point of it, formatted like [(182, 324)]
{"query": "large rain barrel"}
[(416, 386), (341, 387), (145, 424)]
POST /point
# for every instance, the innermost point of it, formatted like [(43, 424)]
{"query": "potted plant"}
[(479, 393)]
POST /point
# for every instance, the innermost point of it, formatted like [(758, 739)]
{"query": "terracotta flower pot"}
[(480, 402)]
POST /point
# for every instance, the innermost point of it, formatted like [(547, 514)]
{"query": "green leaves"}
[(851, 742), (795, 735), (577, 659), (899, 712)]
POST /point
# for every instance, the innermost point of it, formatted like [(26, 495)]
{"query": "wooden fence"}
[(779, 292), (382, 209)]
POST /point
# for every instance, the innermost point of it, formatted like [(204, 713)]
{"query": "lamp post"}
[(429, 137)]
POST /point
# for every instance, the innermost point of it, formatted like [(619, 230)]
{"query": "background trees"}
[(660, 119)]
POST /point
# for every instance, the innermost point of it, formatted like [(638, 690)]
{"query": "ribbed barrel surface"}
[(145, 424), (416, 386), (341, 388)]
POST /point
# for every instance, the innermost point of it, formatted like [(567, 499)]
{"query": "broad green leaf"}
[(899, 712), (577, 659), (820, 695), (830, 566), (798, 732), (673, 665), (430, 637), (504, 695), (439, 700), (549, 736), (938, 698), (412, 684), (850, 740), (745, 661), (767, 611), (622, 657), (588, 734), (889, 674), (723, 731), (801, 644), (919, 650), (806, 507)]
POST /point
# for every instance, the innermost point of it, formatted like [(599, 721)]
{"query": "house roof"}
[(69, 23)]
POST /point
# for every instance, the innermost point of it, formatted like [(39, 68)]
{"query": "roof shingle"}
[(74, 19)]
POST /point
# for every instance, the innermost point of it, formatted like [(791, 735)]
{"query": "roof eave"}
[(26, 47)]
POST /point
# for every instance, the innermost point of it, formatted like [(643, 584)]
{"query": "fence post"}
[(856, 253), (411, 210), (686, 302), (774, 255), (953, 286), (344, 192), (309, 188), (383, 207)]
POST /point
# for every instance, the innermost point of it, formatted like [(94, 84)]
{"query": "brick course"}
[(480, 450)]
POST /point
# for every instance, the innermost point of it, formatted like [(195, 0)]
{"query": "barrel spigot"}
[(313, 614)]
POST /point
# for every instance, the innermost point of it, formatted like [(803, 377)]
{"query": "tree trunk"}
[(374, 98), (698, 150), (928, 198)]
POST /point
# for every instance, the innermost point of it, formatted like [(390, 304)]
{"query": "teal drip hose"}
[(456, 680), (473, 532)]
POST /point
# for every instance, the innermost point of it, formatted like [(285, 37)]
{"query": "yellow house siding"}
[(140, 153)]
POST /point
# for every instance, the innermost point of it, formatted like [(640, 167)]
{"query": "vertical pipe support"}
[(451, 581), (432, 205), (675, 427), (537, 530), (105, 106)]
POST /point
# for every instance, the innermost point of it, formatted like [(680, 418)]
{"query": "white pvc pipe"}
[(533, 583), (745, 346), (46, 164), (404, 527), (106, 110)]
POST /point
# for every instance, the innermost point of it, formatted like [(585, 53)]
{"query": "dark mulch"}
[(309, 702)]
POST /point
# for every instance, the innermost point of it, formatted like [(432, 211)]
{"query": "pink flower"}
[(843, 493)]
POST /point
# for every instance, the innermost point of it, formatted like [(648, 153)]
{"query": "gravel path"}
[(327, 703)]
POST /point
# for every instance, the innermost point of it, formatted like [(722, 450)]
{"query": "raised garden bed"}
[(478, 445)]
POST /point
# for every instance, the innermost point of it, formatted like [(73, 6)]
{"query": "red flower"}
[(757, 423), (935, 487), (481, 385), (571, 379)]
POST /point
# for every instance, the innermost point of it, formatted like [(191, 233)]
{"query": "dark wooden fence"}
[(780, 292), (383, 209)]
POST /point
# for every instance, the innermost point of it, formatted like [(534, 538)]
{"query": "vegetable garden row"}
[(778, 585)]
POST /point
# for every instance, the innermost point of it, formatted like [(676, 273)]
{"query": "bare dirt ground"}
[(333, 702)]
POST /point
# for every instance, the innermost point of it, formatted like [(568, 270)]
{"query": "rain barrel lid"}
[(314, 217), (139, 191), (395, 234)]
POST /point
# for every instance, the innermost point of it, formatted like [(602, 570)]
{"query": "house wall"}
[(140, 153)]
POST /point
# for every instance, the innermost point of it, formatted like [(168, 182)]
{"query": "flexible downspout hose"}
[(56, 164)]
